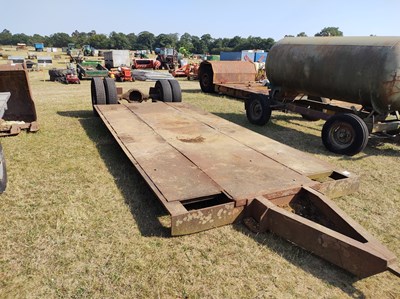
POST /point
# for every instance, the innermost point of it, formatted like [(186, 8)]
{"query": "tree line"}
[(148, 41)]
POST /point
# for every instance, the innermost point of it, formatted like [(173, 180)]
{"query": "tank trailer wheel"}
[(111, 91), (345, 134), (176, 91), (206, 79), (164, 90), (258, 110)]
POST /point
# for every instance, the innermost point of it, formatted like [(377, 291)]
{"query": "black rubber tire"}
[(164, 90), (345, 134), (111, 91), (98, 93), (206, 78), (317, 99), (258, 110), (176, 91), (3, 171)]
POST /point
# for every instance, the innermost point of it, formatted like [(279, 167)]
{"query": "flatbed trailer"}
[(208, 172)]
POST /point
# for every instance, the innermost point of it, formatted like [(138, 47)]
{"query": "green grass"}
[(77, 221)]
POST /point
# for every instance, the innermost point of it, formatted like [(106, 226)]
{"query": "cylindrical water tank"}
[(360, 70)]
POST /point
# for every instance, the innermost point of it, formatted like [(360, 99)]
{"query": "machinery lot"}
[(78, 221)]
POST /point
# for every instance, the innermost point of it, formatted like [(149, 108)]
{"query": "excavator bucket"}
[(20, 113)]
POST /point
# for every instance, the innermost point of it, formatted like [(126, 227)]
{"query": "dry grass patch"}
[(79, 222)]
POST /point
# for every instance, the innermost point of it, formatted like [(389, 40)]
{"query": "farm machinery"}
[(17, 109), (122, 74), (190, 71), (208, 172), (66, 76), (168, 57), (90, 69), (350, 82)]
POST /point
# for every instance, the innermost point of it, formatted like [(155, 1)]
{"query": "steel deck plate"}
[(187, 157)]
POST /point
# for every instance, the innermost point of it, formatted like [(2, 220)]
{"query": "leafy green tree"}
[(118, 41), (207, 41), (185, 41), (199, 47), (5, 37), (235, 42), (99, 41), (37, 38), (330, 31), (132, 39), (145, 40), (21, 38), (166, 40), (302, 34), (80, 38), (59, 39)]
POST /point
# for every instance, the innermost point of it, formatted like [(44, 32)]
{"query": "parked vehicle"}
[(90, 69), (310, 75), (168, 57)]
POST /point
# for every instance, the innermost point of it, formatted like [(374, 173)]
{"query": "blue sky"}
[(218, 18)]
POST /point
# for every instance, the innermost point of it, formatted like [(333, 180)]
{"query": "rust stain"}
[(198, 139)]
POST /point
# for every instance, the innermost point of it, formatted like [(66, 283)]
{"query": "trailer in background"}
[(350, 82), (116, 58), (90, 69), (39, 47)]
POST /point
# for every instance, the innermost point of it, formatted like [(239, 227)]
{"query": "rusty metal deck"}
[(241, 90), (187, 155), (209, 172)]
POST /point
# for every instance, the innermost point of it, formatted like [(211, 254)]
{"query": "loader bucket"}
[(20, 106)]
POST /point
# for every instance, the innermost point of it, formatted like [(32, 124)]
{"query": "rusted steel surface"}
[(239, 170), (231, 71), (14, 79), (296, 160), (206, 218), (164, 165), (315, 223), (361, 70), (208, 172), (243, 90)]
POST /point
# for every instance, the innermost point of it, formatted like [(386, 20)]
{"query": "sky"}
[(220, 19)]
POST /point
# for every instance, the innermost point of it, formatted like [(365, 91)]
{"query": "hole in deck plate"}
[(334, 176), (305, 205), (206, 202)]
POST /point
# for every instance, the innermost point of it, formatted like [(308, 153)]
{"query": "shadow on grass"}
[(305, 260), (143, 204), (305, 141)]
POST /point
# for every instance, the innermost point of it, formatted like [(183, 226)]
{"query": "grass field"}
[(77, 220)]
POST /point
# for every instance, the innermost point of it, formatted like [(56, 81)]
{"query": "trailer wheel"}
[(98, 93), (206, 78), (345, 134), (258, 110), (317, 99), (3, 171), (176, 91), (164, 90), (111, 91)]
